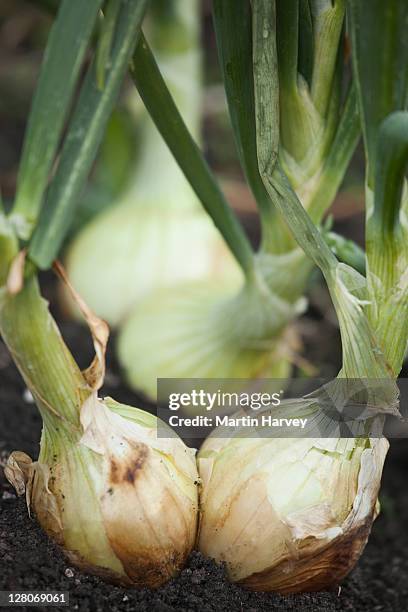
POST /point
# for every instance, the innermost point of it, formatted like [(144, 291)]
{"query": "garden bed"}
[(29, 561)]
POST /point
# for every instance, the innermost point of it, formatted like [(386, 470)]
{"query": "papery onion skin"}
[(128, 515), (265, 546)]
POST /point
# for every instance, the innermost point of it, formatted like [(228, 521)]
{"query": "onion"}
[(121, 502), (179, 246), (157, 234), (288, 515)]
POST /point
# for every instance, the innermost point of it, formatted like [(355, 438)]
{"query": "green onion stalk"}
[(290, 514), (121, 502), (218, 329), (155, 234)]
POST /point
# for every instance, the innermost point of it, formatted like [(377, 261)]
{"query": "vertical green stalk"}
[(84, 136), (66, 46), (330, 177), (233, 28), (306, 42), (327, 26), (105, 40), (361, 356), (387, 241), (298, 119), (8, 248), (44, 361), (26, 325), (380, 67), (267, 122), (36, 345)]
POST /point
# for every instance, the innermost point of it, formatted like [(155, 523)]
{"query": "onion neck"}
[(42, 357), (387, 265)]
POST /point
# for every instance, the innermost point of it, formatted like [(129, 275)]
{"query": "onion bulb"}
[(121, 502), (146, 246), (207, 330), (288, 515), (156, 234)]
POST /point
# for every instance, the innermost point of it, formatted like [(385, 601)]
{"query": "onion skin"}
[(144, 564), (120, 515), (314, 570), (286, 549)]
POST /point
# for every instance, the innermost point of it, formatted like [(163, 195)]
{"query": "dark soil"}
[(29, 561)]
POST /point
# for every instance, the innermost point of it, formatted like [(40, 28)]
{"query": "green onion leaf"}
[(387, 240), (105, 40), (67, 44), (83, 138), (380, 65), (297, 115), (267, 120), (338, 157), (380, 62), (287, 40), (233, 28), (328, 19), (347, 251), (163, 111), (392, 159), (306, 42)]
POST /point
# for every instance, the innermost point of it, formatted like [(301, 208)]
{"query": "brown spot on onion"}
[(145, 571), (127, 470), (152, 568)]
